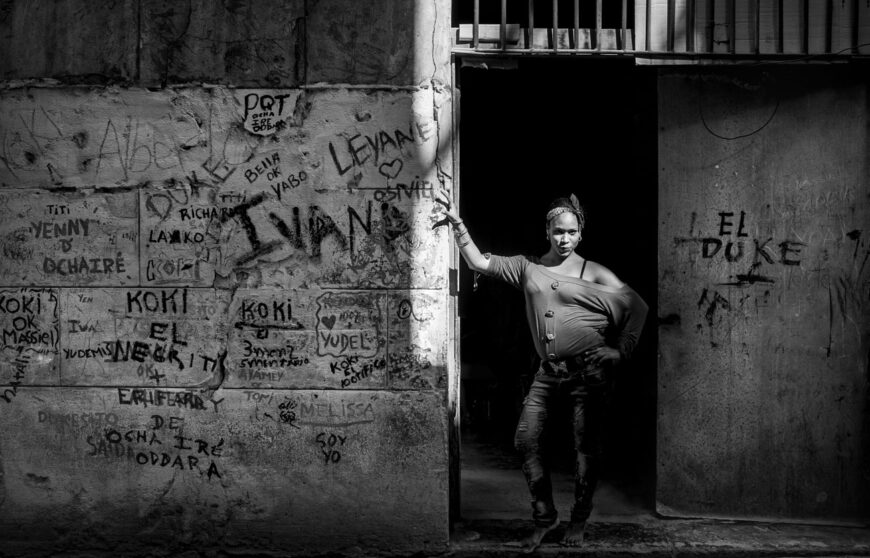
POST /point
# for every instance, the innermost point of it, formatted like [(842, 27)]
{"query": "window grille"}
[(559, 31), (667, 31)]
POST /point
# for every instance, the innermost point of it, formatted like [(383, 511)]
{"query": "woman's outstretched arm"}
[(470, 253)]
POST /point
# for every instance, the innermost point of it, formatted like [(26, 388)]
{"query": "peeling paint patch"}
[(266, 112), (33, 479)]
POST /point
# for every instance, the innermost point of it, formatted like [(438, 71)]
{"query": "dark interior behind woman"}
[(583, 320)]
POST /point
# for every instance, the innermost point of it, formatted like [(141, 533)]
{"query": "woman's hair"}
[(563, 205)]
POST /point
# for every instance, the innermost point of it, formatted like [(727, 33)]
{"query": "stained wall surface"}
[(764, 294), (224, 309)]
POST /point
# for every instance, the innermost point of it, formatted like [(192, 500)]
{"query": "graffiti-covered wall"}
[(224, 309), (764, 294)]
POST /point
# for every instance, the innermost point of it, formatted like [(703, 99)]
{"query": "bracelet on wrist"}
[(457, 223)]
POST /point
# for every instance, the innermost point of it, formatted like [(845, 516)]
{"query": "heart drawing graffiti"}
[(391, 169)]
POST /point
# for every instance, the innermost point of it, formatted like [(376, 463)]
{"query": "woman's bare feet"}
[(574, 534), (533, 541)]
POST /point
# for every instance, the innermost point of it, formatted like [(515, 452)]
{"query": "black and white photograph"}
[(434, 278)]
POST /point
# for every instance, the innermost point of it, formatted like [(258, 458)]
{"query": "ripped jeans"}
[(587, 391)]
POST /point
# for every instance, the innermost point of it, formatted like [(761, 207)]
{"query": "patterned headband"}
[(574, 208)]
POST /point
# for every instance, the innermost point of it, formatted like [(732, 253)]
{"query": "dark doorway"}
[(546, 128)]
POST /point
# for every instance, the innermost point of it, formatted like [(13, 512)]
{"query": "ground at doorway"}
[(495, 512), (652, 537)]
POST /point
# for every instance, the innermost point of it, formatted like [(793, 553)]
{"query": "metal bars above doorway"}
[(667, 31), (547, 27), (753, 28)]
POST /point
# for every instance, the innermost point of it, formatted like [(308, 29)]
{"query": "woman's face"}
[(564, 233)]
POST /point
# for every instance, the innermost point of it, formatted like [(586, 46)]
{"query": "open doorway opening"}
[(547, 128)]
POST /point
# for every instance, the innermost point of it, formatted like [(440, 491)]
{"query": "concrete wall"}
[(764, 294), (224, 309)]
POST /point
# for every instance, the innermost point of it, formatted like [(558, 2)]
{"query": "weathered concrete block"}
[(253, 42), (381, 140), (338, 240), (143, 337), (337, 339), (68, 40), (207, 236), (227, 469), (379, 52), (29, 346), (417, 339), (384, 42), (83, 137), (341, 139), (180, 239), (312, 338), (58, 239)]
